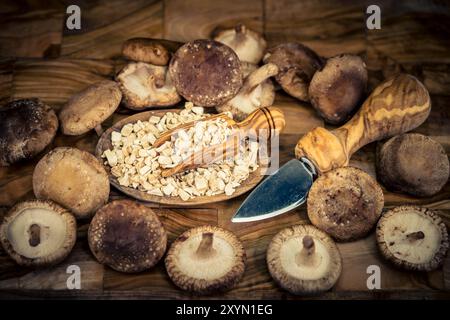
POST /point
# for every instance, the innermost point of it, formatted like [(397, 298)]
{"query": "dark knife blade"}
[(283, 191)]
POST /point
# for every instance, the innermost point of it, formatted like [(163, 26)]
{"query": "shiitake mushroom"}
[(153, 51), (27, 126), (205, 260), (206, 72), (412, 163), (304, 260), (249, 45), (90, 107), (72, 178), (337, 89), (38, 233), (127, 236), (297, 65), (413, 238), (345, 203)]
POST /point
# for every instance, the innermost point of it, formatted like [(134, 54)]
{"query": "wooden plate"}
[(104, 143)]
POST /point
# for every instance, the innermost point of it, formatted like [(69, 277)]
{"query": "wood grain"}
[(197, 19), (414, 38), (107, 24)]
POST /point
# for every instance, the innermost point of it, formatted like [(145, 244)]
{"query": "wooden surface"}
[(39, 57)]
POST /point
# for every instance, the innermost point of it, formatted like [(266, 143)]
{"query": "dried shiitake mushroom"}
[(297, 65), (414, 164), (27, 126), (146, 50), (73, 178), (206, 72), (304, 260), (38, 233), (337, 89), (127, 236), (144, 86), (205, 260), (413, 238), (257, 92), (87, 109), (345, 203), (248, 44)]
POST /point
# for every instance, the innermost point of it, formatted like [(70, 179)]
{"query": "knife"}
[(397, 105)]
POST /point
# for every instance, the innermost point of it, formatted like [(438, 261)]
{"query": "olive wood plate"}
[(104, 143)]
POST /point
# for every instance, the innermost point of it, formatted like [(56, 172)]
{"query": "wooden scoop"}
[(394, 107), (264, 120)]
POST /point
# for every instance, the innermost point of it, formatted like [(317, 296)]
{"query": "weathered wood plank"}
[(189, 20), (107, 24)]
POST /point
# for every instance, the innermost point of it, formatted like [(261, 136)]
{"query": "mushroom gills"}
[(416, 241), (306, 263), (200, 260), (42, 232)]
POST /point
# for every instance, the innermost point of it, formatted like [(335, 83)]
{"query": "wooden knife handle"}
[(267, 118), (398, 105)]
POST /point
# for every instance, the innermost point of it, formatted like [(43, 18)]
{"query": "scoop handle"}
[(396, 106), (268, 121)]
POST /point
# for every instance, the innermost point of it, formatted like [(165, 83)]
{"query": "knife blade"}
[(397, 105), (280, 192)]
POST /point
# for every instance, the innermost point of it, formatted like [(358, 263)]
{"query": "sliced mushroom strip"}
[(127, 236), (144, 86), (27, 126), (206, 72), (89, 108), (346, 203), (73, 178), (248, 44), (413, 238), (297, 64), (257, 92), (336, 90), (38, 233), (414, 164), (304, 260), (205, 260)]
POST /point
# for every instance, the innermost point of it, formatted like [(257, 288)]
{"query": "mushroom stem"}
[(258, 76), (205, 248), (35, 235), (240, 29), (306, 256), (98, 129), (413, 236)]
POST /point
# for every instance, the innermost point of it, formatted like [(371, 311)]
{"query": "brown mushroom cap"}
[(337, 89), (206, 72), (297, 64), (27, 126), (205, 260), (345, 203), (304, 260), (413, 238), (89, 108), (144, 86), (414, 164), (38, 233), (146, 50), (127, 236), (73, 178), (257, 92), (248, 44)]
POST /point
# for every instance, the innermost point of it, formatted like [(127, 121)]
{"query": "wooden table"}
[(41, 58)]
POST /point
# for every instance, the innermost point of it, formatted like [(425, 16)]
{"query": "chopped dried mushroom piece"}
[(136, 164)]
